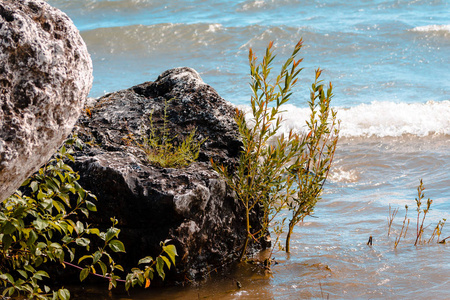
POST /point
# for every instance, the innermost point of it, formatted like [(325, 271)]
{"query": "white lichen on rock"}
[(45, 77)]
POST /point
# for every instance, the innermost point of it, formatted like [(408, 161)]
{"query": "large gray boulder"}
[(192, 205), (45, 77)]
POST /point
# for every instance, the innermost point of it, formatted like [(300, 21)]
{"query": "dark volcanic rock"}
[(192, 206), (45, 76)]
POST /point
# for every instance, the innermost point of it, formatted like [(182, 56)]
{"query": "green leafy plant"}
[(314, 155), (139, 276), (40, 224), (161, 149), (273, 167)]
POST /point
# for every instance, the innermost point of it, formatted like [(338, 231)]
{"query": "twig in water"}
[(444, 240), (391, 218), (321, 291), (437, 231), (397, 239), (420, 196)]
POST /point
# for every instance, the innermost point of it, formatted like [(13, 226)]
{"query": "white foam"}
[(380, 119), (383, 119), (341, 175), (430, 28), (214, 27), (249, 5)]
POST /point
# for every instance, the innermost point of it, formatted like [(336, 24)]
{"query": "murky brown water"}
[(322, 272)]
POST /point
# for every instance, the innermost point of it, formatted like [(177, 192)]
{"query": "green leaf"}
[(67, 239), (23, 273), (51, 184), (160, 267), (40, 224), (42, 273), (96, 257), (145, 260), (113, 281), (84, 211), (7, 241), (82, 242), (116, 246), (55, 245), (103, 267), (41, 245), (93, 231), (111, 233), (39, 260), (7, 228), (149, 273), (84, 257), (91, 206), (64, 294), (32, 237), (7, 277), (34, 186), (171, 251), (39, 274), (29, 268), (79, 227), (84, 273), (166, 260), (118, 267), (10, 291), (65, 198)]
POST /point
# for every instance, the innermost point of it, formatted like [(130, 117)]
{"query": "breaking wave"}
[(432, 28), (381, 119)]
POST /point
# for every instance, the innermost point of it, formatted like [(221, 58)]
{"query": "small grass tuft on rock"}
[(164, 150)]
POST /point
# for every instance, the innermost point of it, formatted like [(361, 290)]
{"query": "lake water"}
[(389, 65)]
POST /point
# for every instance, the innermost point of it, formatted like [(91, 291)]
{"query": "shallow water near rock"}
[(388, 61), (330, 257)]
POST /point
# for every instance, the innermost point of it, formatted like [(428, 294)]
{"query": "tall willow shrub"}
[(277, 171)]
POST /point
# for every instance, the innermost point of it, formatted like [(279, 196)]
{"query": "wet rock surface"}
[(192, 206), (45, 77)]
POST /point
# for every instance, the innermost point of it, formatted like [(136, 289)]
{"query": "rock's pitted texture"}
[(45, 77), (192, 206)]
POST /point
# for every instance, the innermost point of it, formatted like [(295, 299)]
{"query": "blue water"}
[(389, 65), (371, 50)]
